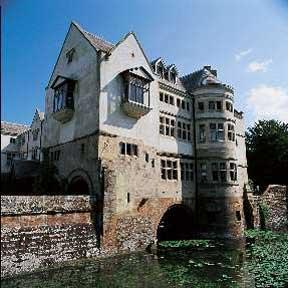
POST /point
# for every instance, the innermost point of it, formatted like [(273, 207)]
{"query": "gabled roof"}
[(39, 115), (140, 72), (59, 79), (97, 42), (159, 59), (13, 129)]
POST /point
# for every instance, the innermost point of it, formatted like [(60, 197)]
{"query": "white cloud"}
[(242, 54), (267, 102), (259, 66)]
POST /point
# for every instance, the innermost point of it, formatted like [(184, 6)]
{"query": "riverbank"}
[(262, 262)]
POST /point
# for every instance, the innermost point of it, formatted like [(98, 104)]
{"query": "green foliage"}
[(46, 183), (184, 243), (267, 152), (267, 258), (211, 264)]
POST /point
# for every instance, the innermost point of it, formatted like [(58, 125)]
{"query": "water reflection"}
[(218, 265)]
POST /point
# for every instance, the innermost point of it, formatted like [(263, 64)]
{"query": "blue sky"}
[(245, 40)]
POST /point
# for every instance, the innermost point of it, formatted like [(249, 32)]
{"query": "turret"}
[(219, 194)]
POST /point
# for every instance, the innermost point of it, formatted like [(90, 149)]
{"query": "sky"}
[(245, 40)]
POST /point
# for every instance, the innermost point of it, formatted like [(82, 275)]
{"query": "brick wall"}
[(37, 231), (275, 199)]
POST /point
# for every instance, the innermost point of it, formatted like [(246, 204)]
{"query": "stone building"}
[(159, 153), (9, 147), (29, 142), (21, 154)]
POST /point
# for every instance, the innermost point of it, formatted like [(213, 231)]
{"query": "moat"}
[(261, 261)]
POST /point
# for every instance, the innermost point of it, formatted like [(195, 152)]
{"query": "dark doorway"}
[(78, 186), (176, 224)]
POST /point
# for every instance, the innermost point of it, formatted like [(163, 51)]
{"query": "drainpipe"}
[(195, 161)]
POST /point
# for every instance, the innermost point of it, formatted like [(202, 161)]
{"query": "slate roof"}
[(14, 129), (198, 78), (97, 42)]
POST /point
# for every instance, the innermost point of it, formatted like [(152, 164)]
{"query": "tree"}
[(267, 152)]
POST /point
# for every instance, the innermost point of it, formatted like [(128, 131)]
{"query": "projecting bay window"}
[(169, 169), (215, 172), (63, 96), (202, 133), (223, 172), (231, 132), (136, 97), (201, 106), (211, 106), (233, 172), (213, 132), (203, 173), (220, 132), (229, 106), (215, 106), (216, 132), (63, 100)]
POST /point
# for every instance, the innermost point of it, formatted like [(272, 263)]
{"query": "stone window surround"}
[(219, 171), (204, 128), (55, 155), (183, 128), (174, 100), (128, 149), (169, 169), (213, 106), (216, 132), (231, 132), (169, 124), (187, 171)]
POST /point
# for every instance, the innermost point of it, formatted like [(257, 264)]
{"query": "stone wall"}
[(39, 231), (274, 201)]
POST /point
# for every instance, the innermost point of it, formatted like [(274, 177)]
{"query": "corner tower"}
[(219, 194)]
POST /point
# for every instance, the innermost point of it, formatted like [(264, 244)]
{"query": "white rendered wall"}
[(83, 70)]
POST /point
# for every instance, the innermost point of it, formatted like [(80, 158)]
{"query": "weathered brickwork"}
[(276, 203), (40, 231)]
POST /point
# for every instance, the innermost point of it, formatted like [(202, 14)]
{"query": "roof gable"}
[(132, 34), (97, 42), (141, 72), (38, 116)]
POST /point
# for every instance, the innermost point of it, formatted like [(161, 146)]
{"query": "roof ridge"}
[(98, 37), (190, 74)]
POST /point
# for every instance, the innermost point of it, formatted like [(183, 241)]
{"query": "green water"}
[(178, 264)]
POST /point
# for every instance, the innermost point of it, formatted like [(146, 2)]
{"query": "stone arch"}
[(79, 182), (176, 223)]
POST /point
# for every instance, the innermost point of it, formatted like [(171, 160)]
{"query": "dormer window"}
[(160, 69), (173, 77)]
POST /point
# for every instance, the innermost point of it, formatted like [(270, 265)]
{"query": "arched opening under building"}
[(176, 224), (78, 186)]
